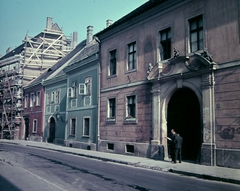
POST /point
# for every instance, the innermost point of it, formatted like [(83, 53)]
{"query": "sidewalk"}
[(200, 171)]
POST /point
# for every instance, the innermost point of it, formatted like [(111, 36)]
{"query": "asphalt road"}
[(31, 169)]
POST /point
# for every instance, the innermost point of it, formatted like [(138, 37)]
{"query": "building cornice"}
[(132, 84)]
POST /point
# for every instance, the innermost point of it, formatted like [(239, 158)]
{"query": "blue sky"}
[(19, 17)]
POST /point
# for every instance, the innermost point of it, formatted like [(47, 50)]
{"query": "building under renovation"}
[(22, 65)]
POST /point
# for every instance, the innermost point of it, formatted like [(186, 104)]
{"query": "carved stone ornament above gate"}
[(180, 65)]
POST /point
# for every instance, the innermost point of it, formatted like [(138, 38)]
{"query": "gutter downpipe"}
[(99, 85), (213, 139)]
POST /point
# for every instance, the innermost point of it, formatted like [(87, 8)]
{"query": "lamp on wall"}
[(58, 116)]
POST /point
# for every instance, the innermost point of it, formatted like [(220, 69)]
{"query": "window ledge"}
[(112, 76), (130, 120), (111, 119), (130, 71)]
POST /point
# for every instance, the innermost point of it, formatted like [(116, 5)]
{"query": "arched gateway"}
[(183, 115), (183, 99), (52, 130)]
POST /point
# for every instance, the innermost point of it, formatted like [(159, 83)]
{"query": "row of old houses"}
[(168, 64)]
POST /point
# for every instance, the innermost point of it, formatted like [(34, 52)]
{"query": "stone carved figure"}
[(150, 67), (176, 52)]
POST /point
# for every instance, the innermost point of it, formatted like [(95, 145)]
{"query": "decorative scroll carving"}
[(178, 65), (153, 71), (206, 59)]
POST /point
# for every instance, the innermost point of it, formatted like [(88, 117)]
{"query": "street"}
[(32, 169)]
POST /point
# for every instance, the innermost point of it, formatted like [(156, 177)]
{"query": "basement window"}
[(110, 146), (130, 148)]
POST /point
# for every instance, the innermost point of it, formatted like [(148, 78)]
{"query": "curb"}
[(206, 177)]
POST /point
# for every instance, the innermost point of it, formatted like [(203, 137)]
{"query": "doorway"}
[(26, 128), (52, 130), (183, 115)]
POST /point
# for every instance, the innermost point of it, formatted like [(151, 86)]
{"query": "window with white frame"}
[(74, 87), (196, 33), (82, 89), (86, 126), (57, 101), (112, 108), (53, 97), (26, 101), (72, 91), (85, 88), (112, 63), (31, 99), (165, 42), (38, 98), (131, 107), (34, 126), (72, 126), (132, 56), (48, 98)]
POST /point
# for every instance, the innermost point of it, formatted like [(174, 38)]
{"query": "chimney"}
[(49, 23), (8, 50), (109, 22), (89, 34), (75, 39)]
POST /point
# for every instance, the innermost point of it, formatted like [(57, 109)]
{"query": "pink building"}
[(173, 65)]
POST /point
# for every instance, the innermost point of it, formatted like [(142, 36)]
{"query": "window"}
[(34, 126), (165, 42), (38, 98), (72, 126), (74, 89), (131, 107), (196, 33), (48, 99), (57, 97), (130, 148), (31, 99), (86, 126), (70, 92), (132, 56), (110, 146), (53, 97), (112, 66), (85, 88), (111, 108), (82, 89), (26, 101)]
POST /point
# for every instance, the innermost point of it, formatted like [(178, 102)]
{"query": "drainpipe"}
[(213, 139), (99, 86)]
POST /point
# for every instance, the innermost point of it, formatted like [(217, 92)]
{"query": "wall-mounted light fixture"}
[(58, 116)]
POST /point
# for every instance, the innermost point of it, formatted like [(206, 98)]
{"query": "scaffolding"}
[(24, 64)]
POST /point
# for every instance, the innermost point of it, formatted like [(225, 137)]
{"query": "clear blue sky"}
[(17, 17)]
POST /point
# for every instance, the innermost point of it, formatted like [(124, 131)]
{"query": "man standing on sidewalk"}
[(178, 148), (172, 144)]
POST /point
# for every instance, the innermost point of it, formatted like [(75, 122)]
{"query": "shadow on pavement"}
[(5, 185)]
